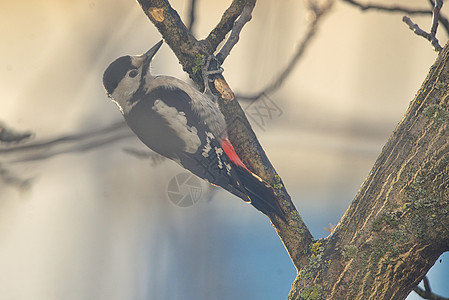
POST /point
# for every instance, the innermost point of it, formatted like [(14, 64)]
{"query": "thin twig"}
[(7, 135), (443, 20), (427, 292), (226, 24), (73, 143), (400, 9), (192, 14), (431, 37), (234, 37), (418, 31), (152, 156), (316, 13), (435, 16), (392, 8), (67, 144), (78, 137), (426, 284)]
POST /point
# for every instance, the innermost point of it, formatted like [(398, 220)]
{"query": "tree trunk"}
[(398, 224)]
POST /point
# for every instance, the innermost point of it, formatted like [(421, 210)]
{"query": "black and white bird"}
[(179, 122)]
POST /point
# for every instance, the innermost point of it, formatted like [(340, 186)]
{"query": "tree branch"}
[(418, 31), (70, 143), (444, 21), (192, 13), (244, 18), (7, 135), (400, 9), (175, 33), (436, 16), (218, 34), (431, 37), (427, 292), (389, 8), (295, 235)]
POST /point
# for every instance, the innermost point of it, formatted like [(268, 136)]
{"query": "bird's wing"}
[(165, 122)]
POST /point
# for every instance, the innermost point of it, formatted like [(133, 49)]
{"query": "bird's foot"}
[(211, 66)]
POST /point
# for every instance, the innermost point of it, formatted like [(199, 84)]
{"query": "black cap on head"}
[(115, 72)]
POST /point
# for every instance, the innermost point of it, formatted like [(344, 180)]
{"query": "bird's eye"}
[(133, 73)]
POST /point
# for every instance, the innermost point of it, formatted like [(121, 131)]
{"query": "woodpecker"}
[(179, 122)]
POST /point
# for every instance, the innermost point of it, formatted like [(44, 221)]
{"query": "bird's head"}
[(126, 75)]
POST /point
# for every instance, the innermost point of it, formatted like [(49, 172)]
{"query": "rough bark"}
[(398, 224)]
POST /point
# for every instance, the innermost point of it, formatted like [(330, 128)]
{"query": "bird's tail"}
[(261, 194)]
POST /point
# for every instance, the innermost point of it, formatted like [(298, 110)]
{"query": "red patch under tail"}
[(230, 152), (261, 194)]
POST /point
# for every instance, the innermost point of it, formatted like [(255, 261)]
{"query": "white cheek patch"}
[(178, 122), (124, 92)]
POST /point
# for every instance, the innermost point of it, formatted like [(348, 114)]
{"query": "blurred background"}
[(90, 220)]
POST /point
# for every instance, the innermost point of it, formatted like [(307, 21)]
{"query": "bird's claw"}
[(207, 73)]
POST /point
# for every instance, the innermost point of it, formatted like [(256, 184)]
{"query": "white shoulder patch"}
[(207, 147), (178, 122)]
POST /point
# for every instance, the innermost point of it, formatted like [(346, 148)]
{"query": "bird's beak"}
[(150, 53), (147, 56)]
